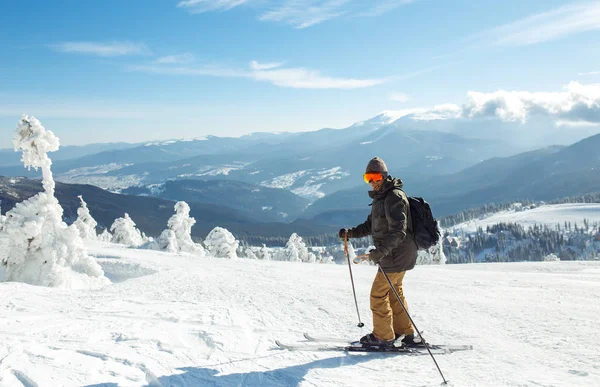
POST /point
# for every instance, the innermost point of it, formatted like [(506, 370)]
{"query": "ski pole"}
[(412, 322), (360, 323)]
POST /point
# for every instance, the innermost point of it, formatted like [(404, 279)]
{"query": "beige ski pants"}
[(389, 317)]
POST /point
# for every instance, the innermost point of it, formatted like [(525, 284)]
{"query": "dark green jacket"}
[(390, 226)]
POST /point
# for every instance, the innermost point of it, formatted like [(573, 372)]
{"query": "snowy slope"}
[(178, 320), (548, 215)]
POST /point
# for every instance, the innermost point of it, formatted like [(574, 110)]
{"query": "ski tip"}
[(306, 336)]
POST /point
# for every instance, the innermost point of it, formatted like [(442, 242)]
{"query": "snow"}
[(548, 215), (169, 142), (284, 181), (310, 189), (180, 320)]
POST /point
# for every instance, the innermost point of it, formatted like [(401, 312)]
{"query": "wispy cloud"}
[(175, 59), (399, 97), (299, 13), (292, 77), (381, 7), (300, 78), (542, 27), (201, 6), (591, 73), (254, 65), (306, 13), (102, 49)]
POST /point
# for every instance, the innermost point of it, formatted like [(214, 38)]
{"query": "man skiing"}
[(395, 251)]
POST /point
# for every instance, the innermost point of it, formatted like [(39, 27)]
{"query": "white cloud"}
[(176, 59), (591, 73), (546, 26), (298, 78), (102, 49), (254, 65), (299, 13), (577, 104), (200, 6), (399, 97)]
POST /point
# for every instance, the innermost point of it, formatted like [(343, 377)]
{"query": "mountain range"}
[(277, 178)]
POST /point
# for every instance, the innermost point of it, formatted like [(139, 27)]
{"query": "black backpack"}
[(425, 227)]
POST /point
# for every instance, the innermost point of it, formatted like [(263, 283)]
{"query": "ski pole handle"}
[(360, 258)]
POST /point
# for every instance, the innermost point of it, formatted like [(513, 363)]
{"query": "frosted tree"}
[(221, 243), (178, 235), (105, 236), (249, 253), (37, 246), (85, 223), (296, 251), (167, 241), (124, 232), (433, 256), (551, 258), (264, 253), (181, 223)]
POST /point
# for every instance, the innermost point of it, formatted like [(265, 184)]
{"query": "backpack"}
[(425, 227)]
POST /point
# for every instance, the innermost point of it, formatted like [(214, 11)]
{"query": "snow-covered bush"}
[(221, 243), (178, 235), (124, 232), (37, 246), (551, 258), (85, 223), (295, 251)]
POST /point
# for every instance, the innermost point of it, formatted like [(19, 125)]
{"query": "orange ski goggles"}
[(372, 176)]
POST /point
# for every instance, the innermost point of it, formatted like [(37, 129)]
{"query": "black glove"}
[(343, 232), (376, 255)]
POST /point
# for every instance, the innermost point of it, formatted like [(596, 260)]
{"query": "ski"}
[(445, 347), (346, 348)]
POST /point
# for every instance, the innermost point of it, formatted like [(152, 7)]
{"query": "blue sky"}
[(106, 71)]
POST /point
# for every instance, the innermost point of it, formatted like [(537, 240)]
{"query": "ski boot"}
[(371, 340)]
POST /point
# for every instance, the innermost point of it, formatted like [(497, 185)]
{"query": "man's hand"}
[(342, 233), (376, 255)]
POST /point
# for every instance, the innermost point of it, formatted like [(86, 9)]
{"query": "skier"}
[(395, 251)]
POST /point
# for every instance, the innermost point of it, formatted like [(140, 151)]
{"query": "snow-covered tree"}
[(85, 223), (221, 243), (249, 253), (178, 235), (264, 253), (37, 246), (434, 256), (181, 223), (296, 251), (105, 236), (551, 258), (124, 232)]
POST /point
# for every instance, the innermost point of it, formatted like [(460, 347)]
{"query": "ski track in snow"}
[(179, 320)]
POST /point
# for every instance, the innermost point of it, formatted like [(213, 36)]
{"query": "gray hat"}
[(377, 165)]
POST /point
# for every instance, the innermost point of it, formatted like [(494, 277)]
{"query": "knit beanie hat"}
[(377, 165)]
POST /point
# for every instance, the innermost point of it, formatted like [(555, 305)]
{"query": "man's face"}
[(376, 185)]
